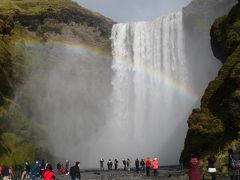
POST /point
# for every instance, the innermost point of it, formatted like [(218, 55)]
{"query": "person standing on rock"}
[(124, 164), (128, 164), (116, 164), (155, 166), (137, 164), (194, 171), (148, 166), (101, 164)]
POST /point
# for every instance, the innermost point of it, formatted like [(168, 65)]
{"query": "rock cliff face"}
[(40, 21), (198, 17), (214, 127), (200, 14)]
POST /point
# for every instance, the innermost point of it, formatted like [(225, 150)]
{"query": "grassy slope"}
[(13, 126), (20, 20), (44, 17)]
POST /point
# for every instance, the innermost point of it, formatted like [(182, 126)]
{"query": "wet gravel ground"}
[(120, 175), (164, 174)]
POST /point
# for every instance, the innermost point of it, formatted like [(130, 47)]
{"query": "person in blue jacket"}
[(35, 170)]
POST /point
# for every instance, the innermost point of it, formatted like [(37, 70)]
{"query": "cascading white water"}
[(150, 67), (133, 108)]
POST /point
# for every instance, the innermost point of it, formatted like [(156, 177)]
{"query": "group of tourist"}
[(43, 170), (139, 165), (7, 173), (233, 163)]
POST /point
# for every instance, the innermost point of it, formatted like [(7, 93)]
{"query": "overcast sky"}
[(133, 10)]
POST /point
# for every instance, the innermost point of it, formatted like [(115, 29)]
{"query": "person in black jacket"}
[(75, 171), (137, 164), (142, 163), (26, 171), (233, 158), (211, 167), (116, 164)]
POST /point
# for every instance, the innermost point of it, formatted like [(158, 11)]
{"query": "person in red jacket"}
[(155, 166), (48, 173), (195, 170), (0, 170), (148, 166)]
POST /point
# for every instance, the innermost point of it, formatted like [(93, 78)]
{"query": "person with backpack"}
[(148, 166), (48, 174), (211, 167), (142, 163), (75, 171), (233, 163), (35, 170), (109, 164), (115, 164)]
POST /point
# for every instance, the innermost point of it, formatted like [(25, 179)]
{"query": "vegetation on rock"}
[(47, 17), (41, 22), (225, 34), (215, 126)]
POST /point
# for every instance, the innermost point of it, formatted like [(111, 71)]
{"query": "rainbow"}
[(165, 79), (83, 49)]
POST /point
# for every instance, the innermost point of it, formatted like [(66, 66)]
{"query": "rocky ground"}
[(125, 175)]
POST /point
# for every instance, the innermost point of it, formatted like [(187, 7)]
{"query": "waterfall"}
[(148, 103), (133, 106)]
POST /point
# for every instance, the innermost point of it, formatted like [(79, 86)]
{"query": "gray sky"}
[(133, 10)]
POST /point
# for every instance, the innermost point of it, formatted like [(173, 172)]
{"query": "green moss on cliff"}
[(44, 17), (216, 125), (42, 22), (225, 34), (14, 126), (17, 149)]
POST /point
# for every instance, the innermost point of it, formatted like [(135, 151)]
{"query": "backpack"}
[(234, 164)]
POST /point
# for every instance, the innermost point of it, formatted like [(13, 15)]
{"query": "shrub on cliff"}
[(216, 125)]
